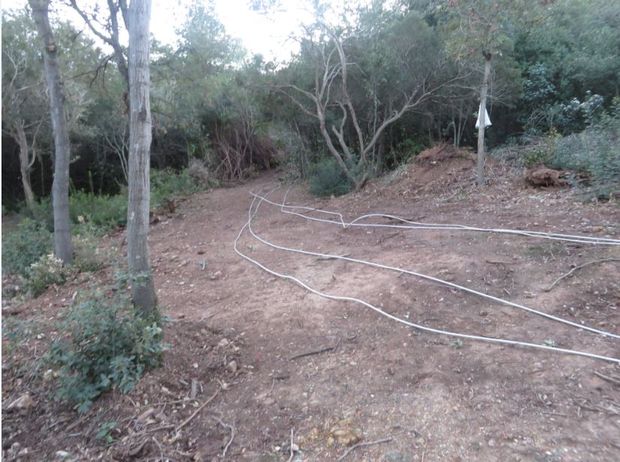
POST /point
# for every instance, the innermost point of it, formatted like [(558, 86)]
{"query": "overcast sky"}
[(267, 34)]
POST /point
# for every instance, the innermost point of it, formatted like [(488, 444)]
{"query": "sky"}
[(267, 34)]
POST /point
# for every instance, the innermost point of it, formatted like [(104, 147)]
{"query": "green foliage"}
[(104, 212), (328, 179), (168, 184), (105, 431), (594, 154), (47, 271), (87, 255), (25, 246), (404, 151), (540, 152), (107, 346)]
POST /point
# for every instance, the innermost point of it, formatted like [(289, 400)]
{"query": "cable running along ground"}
[(252, 211)]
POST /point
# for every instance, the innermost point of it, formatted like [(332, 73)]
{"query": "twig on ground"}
[(290, 459), (361, 445), (197, 411), (161, 450), (232, 434), (606, 377), (315, 352), (603, 260), (331, 258)]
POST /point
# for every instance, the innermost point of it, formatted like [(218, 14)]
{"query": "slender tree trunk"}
[(143, 290), (25, 163), (60, 186), (482, 119)]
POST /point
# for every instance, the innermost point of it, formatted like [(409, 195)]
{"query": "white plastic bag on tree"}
[(487, 119)]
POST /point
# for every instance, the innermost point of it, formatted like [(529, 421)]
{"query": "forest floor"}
[(239, 330)]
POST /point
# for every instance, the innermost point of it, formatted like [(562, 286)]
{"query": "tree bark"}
[(62, 149), (142, 287), (25, 163), (482, 120)]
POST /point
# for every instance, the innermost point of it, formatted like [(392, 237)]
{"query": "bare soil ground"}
[(236, 328)]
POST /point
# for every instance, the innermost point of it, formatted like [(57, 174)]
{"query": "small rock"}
[(232, 366), (62, 455), (491, 443), (345, 434), (223, 343), (48, 375), (22, 403)]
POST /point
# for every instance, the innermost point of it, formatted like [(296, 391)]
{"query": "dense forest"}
[(366, 92)]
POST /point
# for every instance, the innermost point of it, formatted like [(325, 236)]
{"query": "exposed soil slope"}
[(436, 398)]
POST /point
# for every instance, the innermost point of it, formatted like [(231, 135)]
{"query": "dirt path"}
[(436, 399)]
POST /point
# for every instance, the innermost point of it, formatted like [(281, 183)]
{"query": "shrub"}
[(48, 270), (103, 212), (595, 155), (168, 184), (107, 346), (327, 179), (25, 246), (87, 255)]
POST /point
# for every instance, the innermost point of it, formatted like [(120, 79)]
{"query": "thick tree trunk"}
[(60, 186), (143, 290), (25, 163), (482, 120)]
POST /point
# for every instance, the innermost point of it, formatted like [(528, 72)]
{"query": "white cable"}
[(436, 226), (248, 226), (437, 280)]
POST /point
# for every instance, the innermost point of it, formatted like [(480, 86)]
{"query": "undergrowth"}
[(108, 345), (328, 179)]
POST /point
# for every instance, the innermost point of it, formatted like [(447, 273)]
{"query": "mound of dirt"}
[(441, 153), (436, 170), (543, 176)]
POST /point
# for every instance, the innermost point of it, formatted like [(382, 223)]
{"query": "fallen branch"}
[(604, 260), (197, 411), (361, 445), (232, 434), (315, 352), (606, 377)]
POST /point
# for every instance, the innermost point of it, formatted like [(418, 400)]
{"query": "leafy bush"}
[(104, 212), (25, 246), (48, 270), (87, 256), (595, 154), (107, 346), (404, 151), (168, 184), (327, 179)]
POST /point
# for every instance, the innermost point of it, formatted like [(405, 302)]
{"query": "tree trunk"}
[(60, 186), (482, 119), (142, 287), (25, 163)]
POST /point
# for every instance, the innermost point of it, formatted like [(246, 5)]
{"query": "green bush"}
[(47, 271), (107, 346), (105, 213), (595, 155), (87, 257), (327, 179), (168, 184), (25, 246)]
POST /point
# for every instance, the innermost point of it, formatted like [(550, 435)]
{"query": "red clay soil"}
[(365, 378)]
